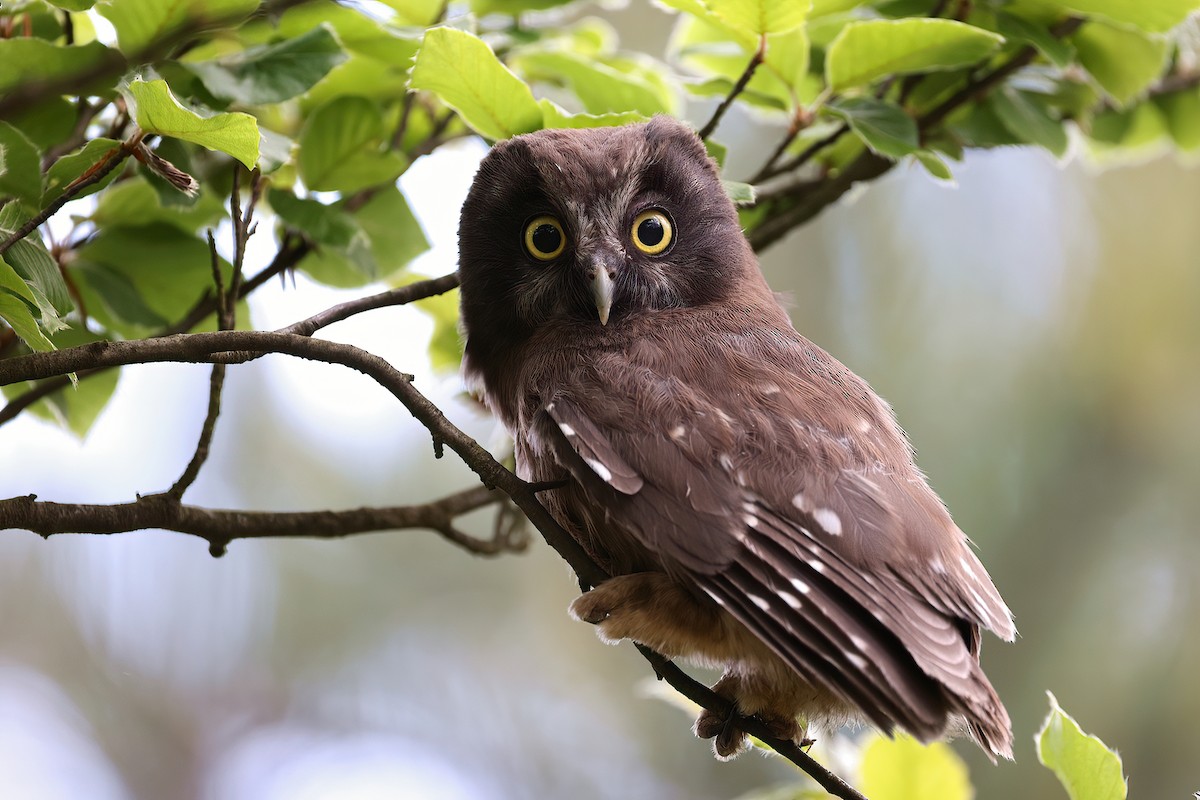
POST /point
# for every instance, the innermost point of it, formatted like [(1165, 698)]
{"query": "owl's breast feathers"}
[(749, 464)]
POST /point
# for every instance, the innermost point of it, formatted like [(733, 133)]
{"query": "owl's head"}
[(591, 226)]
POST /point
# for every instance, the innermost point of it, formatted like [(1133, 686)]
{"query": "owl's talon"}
[(728, 737)]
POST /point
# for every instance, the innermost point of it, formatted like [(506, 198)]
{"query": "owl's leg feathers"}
[(652, 609)]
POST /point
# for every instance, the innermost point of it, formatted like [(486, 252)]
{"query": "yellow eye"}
[(544, 238), (652, 232)]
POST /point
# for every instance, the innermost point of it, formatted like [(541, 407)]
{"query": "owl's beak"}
[(602, 293)]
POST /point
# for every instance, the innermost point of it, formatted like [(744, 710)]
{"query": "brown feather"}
[(711, 443)]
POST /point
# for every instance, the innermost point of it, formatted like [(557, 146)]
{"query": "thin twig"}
[(800, 120), (807, 154), (216, 383), (98, 172), (759, 53), (392, 297), (977, 87)]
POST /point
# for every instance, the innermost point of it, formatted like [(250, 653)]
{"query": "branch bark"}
[(205, 347), (219, 526)]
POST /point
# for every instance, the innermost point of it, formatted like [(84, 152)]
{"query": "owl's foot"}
[(729, 739), (652, 609)]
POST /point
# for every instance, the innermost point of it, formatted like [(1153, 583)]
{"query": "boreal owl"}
[(755, 501)]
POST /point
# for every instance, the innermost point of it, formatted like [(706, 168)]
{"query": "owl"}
[(754, 501)]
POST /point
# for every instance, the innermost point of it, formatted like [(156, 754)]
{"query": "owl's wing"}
[(857, 578)]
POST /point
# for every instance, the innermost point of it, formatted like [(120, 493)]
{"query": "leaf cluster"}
[(330, 103)]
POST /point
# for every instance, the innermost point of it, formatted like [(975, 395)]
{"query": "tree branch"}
[(737, 89), (815, 199), (393, 297), (218, 526), (977, 87), (803, 202), (201, 347), (94, 175)]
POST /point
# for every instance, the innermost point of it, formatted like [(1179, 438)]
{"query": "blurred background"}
[(1037, 328)]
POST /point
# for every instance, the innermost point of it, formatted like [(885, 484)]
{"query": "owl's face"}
[(587, 227)]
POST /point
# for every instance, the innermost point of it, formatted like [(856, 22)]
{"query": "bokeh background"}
[(1037, 328)]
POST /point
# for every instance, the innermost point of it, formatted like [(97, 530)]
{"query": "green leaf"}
[(1182, 112), (934, 165), (17, 300), (20, 175), (742, 194), (883, 126), (418, 13), (69, 168), (25, 60), (1122, 61), (1087, 769), (1031, 119), (760, 16), (272, 73), (710, 48), (73, 5), (137, 279), (358, 32), (1012, 27), (16, 313), (466, 75), (395, 234), (13, 283), (327, 226), (866, 51), (340, 148), (47, 123), (904, 769), (141, 23), (555, 116), (716, 151), (38, 269), (1152, 16), (600, 87), (513, 7), (135, 202), (157, 111), (445, 346), (391, 234)]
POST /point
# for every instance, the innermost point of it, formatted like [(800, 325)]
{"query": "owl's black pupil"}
[(546, 238), (651, 232)]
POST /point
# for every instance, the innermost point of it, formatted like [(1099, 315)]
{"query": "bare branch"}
[(392, 297), (285, 257), (219, 526), (216, 383)]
